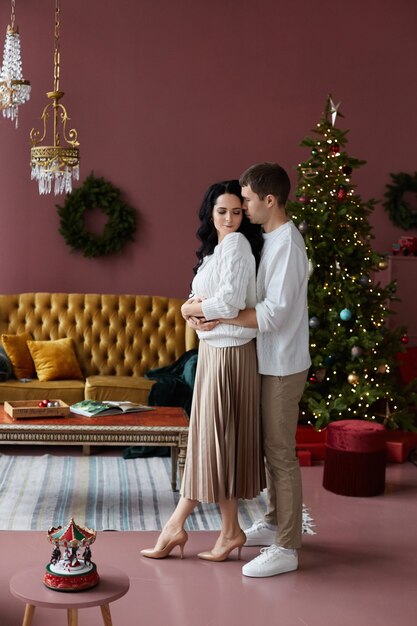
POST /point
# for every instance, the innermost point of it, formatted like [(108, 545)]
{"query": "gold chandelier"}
[(14, 89), (55, 163)]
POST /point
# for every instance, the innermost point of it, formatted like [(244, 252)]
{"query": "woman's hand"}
[(192, 308), (200, 323), (193, 314)]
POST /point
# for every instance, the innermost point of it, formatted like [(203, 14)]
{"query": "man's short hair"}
[(267, 178)]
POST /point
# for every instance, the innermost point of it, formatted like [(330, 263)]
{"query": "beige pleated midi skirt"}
[(224, 454)]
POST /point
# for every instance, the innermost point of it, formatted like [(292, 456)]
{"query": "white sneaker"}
[(270, 562), (260, 534)]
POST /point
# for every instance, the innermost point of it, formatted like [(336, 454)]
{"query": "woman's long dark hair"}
[(207, 232)]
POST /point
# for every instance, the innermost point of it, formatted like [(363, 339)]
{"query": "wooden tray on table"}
[(29, 409)]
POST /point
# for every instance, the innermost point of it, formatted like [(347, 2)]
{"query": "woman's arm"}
[(235, 268), (246, 318)]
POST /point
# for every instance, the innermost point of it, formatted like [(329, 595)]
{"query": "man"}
[(281, 317)]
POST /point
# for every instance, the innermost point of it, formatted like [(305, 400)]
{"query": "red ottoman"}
[(355, 458)]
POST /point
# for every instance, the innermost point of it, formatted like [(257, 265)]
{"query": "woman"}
[(224, 458)]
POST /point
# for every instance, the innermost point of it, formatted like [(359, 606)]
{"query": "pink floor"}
[(359, 570)]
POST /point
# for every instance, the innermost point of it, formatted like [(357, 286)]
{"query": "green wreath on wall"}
[(399, 210), (96, 193)]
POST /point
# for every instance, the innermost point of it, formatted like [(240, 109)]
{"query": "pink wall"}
[(170, 95)]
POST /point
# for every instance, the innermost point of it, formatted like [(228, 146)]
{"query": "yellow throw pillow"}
[(55, 360), (17, 350)]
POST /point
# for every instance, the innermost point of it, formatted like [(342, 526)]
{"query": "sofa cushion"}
[(69, 391), (131, 388), (55, 360), (18, 352)]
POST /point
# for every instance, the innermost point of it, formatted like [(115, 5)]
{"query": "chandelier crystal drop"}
[(55, 165), (14, 89)]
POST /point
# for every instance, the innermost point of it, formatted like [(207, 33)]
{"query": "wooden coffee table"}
[(162, 426)]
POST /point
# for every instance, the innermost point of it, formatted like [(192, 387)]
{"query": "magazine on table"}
[(91, 408)]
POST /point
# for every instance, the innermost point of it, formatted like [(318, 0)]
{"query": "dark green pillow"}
[(6, 367), (188, 373), (182, 369), (171, 391)]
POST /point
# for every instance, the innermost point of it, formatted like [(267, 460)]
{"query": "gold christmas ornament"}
[(353, 379), (383, 264)]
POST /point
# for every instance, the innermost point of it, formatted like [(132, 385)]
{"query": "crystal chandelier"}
[(14, 90), (55, 163)]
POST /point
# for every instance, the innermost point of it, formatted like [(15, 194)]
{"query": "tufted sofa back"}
[(122, 335)]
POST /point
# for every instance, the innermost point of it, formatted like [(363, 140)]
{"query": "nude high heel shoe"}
[(180, 539), (238, 542)]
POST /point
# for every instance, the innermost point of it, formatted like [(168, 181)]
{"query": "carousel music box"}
[(70, 567)]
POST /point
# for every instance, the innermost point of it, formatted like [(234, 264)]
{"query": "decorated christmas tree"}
[(354, 373)]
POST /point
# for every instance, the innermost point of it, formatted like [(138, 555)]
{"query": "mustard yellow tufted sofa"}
[(117, 338)]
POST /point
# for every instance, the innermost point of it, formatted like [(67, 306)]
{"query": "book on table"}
[(91, 408)]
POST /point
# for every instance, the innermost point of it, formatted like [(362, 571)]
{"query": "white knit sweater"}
[(227, 281), (281, 312)]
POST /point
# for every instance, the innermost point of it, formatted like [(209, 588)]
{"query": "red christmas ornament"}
[(312, 379), (334, 148), (404, 339), (347, 170), (341, 193), (303, 199)]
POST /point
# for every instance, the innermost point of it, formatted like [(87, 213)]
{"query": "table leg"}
[(105, 611), (72, 616), (28, 616), (181, 462), (174, 464)]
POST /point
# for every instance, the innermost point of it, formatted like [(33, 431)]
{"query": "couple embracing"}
[(249, 308)]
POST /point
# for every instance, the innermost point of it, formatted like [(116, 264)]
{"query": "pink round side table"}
[(27, 585)]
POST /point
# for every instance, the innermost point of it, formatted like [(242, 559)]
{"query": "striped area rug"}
[(101, 492)]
